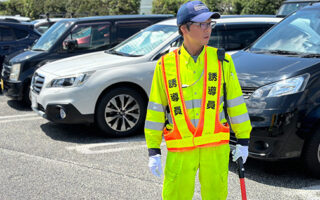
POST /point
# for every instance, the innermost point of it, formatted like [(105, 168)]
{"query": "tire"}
[(311, 155), (121, 112)]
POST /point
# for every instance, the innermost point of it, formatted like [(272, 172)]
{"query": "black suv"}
[(66, 38), (14, 37), (280, 78)]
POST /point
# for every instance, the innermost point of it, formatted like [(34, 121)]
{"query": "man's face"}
[(198, 33)]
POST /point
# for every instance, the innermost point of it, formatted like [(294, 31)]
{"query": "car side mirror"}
[(70, 45), (173, 48)]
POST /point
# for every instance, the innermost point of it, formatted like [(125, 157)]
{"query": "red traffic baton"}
[(241, 177)]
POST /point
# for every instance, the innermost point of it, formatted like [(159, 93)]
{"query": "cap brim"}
[(205, 16)]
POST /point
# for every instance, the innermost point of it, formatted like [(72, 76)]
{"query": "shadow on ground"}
[(283, 173), (82, 134), (19, 105)]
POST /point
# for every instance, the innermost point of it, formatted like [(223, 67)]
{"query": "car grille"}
[(6, 69), (37, 83), (247, 91)]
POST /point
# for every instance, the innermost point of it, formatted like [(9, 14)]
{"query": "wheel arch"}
[(126, 84)]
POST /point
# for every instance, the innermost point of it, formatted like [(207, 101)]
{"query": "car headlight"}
[(284, 87), (15, 71), (70, 81)]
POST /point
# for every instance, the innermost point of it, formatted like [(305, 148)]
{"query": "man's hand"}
[(240, 151), (155, 165)]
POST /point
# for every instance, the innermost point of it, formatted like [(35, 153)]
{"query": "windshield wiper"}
[(112, 51), (310, 55), (37, 49), (282, 52)]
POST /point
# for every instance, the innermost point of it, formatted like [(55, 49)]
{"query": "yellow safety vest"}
[(209, 132)]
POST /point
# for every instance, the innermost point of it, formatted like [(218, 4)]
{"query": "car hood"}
[(87, 62), (23, 55), (256, 70)]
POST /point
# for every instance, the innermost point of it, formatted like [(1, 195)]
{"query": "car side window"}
[(6, 34), (217, 38), (235, 38), (20, 34), (126, 29), (174, 45), (89, 36), (43, 28), (240, 38)]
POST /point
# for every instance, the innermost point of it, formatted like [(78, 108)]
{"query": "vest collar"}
[(187, 56)]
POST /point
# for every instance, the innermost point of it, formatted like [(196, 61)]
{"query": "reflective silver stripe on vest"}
[(235, 102), (168, 115), (196, 103), (221, 100), (222, 115), (195, 122), (154, 125), (155, 107), (240, 118)]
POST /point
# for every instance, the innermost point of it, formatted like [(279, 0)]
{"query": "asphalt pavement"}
[(43, 160)]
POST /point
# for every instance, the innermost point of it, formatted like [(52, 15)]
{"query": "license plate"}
[(2, 84)]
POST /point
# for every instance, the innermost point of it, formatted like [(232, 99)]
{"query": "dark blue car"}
[(14, 37), (280, 78)]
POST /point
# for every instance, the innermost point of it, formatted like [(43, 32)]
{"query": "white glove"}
[(155, 165), (240, 151)]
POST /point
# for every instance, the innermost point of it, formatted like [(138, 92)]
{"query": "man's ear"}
[(184, 29)]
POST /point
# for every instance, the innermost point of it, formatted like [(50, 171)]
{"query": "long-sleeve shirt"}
[(158, 115)]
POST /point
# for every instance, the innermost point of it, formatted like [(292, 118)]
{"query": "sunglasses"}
[(204, 25)]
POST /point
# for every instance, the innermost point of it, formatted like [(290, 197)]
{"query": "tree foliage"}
[(223, 6), (34, 8), (261, 6)]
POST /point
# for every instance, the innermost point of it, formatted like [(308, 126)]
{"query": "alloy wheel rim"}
[(122, 113)]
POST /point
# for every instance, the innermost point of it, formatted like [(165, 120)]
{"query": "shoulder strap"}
[(221, 55)]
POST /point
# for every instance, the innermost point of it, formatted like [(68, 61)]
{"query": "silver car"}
[(111, 88)]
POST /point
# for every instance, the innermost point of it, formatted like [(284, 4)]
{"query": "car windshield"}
[(51, 36), (145, 41), (289, 8), (296, 35)]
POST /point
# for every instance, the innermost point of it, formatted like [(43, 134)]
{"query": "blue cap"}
[(195, 11)]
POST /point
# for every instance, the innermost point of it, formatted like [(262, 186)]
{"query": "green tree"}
[(166, 6), (120, 7), (33, 8), (14, 7), (54, 7), (261, 6)]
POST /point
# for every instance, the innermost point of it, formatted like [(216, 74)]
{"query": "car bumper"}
[(62, 113), (274, 135), (13, 90), (67, 105)]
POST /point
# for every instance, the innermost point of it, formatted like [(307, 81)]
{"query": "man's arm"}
[(155, 119), (237, 109)]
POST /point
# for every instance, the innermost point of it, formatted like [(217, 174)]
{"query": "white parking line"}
[(90, 148), (23, 119), (17, 116)]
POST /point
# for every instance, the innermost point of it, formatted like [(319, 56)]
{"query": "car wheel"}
[(312, 154), (121, 112)]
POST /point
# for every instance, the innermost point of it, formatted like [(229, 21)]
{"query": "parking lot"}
[(43, 160)]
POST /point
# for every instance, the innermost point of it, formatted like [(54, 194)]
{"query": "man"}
[(186, 107)]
